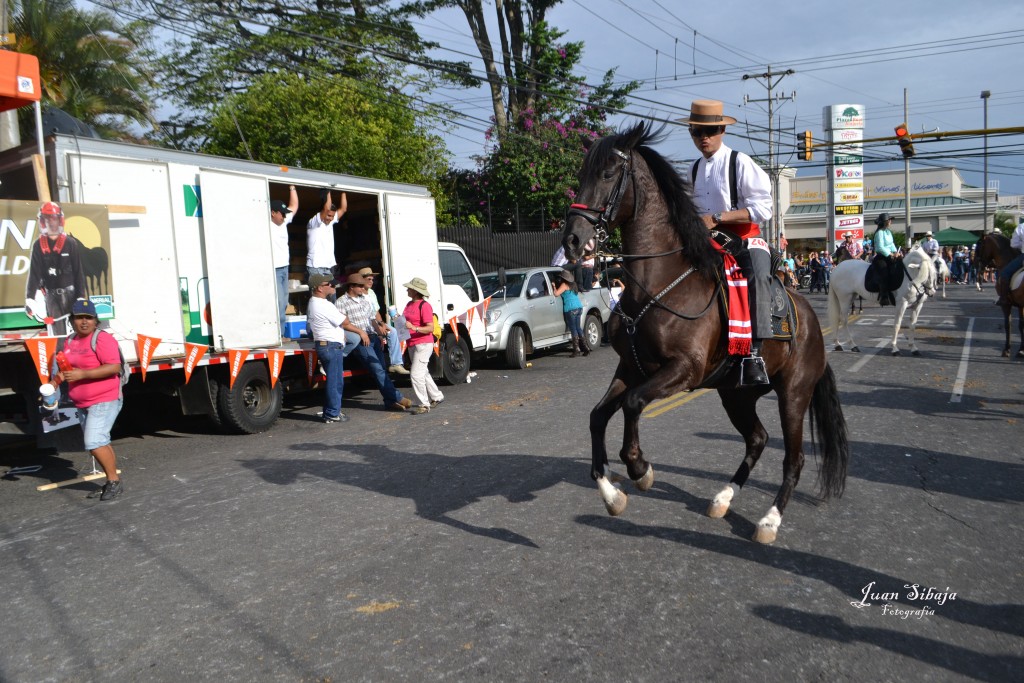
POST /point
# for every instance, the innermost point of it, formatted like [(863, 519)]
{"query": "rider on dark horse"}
[(733, 195), (1004, 275)]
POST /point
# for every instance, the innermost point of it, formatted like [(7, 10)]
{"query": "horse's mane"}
[(676, 191)]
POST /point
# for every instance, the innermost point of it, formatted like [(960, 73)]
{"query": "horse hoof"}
[(615, 500), (915, 352), (1020, 354), (838, 347), (1006, 354), (717, 510), (765, 534), (647, 481), (855, 349), (896, 352)]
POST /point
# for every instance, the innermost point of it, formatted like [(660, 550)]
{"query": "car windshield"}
[(514, 284)]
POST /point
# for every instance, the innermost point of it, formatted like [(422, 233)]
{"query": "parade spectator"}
[(55, 270), (586, 282), (334, 337), (826, 269), (394, 349), (279, 247), (814, 263), (571, 310), (320, 258), (94, 387), (419, 320), (358, 309)]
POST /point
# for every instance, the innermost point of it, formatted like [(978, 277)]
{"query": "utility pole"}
[(770, 81), (985, 94), (10, 136), (909, 231)]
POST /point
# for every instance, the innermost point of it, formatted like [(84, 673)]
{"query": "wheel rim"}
[(256, 398)]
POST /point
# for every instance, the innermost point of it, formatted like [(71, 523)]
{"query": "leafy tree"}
[(90, 65), (1004, 223), (336, 125)]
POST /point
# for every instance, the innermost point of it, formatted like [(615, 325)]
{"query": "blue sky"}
[(866, 53)]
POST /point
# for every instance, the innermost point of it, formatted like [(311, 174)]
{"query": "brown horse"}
[(994, 249), (669, 330)]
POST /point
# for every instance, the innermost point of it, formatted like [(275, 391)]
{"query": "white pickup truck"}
[(525, 316)]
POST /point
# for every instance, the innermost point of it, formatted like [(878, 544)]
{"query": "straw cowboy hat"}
[(418, 284), (367, 271), (355, 279), (928, 234), (707, 113)]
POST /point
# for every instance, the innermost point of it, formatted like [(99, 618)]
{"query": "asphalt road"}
[(470, 543)]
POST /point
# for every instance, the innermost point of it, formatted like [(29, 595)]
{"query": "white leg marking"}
[(768, 526), (720, 503), (614, 499)]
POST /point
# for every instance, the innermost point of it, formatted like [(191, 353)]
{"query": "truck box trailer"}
[(179, 251)]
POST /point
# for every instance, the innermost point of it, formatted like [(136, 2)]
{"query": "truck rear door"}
[(239, 263), (411, 244)]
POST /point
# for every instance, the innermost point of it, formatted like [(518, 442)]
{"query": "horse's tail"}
[(830, 434)]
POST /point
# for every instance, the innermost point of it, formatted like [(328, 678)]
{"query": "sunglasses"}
[(706, 131)]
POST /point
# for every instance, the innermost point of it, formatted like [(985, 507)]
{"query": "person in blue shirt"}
[(885, 260), (571, 310)]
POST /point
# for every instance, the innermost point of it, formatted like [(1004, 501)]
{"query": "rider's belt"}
[(741, 230)]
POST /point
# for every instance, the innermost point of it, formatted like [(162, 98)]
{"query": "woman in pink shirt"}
[(94, 388), (419, 320)]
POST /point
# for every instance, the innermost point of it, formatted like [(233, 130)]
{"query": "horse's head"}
[(988, 250), (604, 183), (922, 272)]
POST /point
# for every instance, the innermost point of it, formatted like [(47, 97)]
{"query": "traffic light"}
[(805, 145), (906, 143)]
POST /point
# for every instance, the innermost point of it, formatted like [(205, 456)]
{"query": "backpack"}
[(126, 370), (437, 323)]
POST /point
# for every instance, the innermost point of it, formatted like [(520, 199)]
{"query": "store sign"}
[(847, 159), (849, 185), (850, 209), (849, 222), (843, 116), (849, 197)]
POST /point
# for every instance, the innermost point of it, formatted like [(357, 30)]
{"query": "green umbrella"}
[(951, 237)]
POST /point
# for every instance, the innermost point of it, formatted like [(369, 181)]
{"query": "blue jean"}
[(572, 321), (373, 359), (282, 294), (394, 348), (332, 358), (1012, 267), (97, 421)]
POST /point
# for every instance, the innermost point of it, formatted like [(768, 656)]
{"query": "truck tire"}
[(592, 331), (454, 359), (515, 350), (251, 406)]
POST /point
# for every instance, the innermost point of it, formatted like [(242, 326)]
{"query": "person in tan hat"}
[(932, 248), (419, 320), (394, 349), (733, 212), (359, 311)]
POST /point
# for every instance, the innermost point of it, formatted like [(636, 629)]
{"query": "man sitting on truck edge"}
[(279, 245), (320, 236), (394, 348), (334, 337), (359, 310)]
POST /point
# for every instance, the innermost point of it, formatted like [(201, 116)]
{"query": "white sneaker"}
[(398, 370)]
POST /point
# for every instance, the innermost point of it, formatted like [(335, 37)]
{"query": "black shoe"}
[(111, 490), (752, 372), (327, 419)]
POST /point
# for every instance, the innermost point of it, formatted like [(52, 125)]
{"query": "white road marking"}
[(961, 375), (868, 356)]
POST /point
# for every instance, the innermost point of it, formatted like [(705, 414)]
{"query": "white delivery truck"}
[(186, 260)]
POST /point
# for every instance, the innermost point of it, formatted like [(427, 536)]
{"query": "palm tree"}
[(90, 65)]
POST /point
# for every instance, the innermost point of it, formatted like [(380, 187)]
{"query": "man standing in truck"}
[(55, 270), (279, 244), (320, 236)]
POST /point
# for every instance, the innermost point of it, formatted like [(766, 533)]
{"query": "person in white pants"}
[(419, 320)]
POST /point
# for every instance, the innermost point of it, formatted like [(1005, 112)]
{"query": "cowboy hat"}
[(928, 234), (707, 113), (882, 218), (567, 276), (418, 284), (367, 271), (847, 234), (354, 279)]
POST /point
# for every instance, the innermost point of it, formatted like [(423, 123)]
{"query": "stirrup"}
[(752, 371)]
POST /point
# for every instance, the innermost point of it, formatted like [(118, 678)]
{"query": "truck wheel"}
[(251, 406), (592, 332), (454, 359), (515, 351)]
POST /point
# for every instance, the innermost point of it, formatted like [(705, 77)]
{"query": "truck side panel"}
[(411, 244)]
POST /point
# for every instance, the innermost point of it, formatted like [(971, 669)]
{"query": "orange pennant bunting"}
[(437, 349), (469, 317), (454, 324), (486, 304), (144, 348), (275, 358), (42, 350), (235, 359), (310, 357), (193, 354)]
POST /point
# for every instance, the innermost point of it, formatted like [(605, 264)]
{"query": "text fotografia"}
[(913, 592)]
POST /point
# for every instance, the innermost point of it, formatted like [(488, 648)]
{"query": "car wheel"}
[(515, 351), (592, 332), (455, 359)]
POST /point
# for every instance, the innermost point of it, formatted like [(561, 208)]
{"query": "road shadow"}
[(437, 484)]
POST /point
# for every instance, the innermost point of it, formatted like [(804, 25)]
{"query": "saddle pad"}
[(784, 318), (1016, 279), (896, 273)]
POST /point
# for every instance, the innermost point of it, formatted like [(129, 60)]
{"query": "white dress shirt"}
[(711, 187)]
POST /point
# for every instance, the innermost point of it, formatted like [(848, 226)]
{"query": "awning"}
[(951, 237)]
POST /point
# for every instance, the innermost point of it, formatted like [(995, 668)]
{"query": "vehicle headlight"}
[(493, 316)]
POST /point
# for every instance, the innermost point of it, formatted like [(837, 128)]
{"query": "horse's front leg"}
[(1020, 331), (901, 310), (1006, 327), (614, 500)]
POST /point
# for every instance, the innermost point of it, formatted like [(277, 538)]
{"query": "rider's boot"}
[(575, 346), (752, 369), (584, 347), (1002, 288)]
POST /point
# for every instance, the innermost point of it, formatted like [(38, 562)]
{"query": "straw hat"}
[(707, 113), (418, 284)]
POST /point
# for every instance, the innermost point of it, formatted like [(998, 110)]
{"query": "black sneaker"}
[(111, 490), (340, 417)]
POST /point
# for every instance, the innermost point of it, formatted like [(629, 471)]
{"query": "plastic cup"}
[(49, 396)]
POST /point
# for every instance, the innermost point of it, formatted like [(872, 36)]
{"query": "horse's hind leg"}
[(614, 499), (740, 405)]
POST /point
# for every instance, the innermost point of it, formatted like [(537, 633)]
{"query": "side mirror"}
[(532, 293), (502, 280)]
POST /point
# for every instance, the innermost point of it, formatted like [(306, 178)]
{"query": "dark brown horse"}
[(669, 331), (994, 249)]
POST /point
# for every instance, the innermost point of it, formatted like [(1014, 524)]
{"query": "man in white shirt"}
[(1004, 275), (320, 236), (279, 248), (394, 348), (733, 215), (334, 337)]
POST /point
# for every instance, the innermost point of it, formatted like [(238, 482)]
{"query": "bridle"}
[(600, 218)]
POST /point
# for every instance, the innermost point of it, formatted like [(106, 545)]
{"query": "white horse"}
[(941, 274), (848, 281)]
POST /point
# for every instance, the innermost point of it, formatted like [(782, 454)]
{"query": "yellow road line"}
[(676, 400)]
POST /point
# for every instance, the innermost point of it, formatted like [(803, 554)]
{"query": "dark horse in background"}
[(994, 249), (670, 333)]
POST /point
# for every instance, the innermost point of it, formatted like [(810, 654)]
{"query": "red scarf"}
[(737, 303)]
